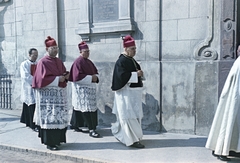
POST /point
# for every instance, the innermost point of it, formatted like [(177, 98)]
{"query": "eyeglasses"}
[(133, 48), (54, 47)]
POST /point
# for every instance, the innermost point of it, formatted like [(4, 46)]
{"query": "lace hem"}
[(52, 111), (84, 98)]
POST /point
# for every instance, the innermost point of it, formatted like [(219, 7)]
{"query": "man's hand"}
[(94, 78), (67, 76), (140, 73), (61, 78)]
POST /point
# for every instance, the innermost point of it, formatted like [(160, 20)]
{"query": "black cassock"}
[(122, 72)]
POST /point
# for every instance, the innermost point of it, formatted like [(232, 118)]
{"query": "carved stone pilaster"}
[(204, 51), (228, 29), (228, 40)]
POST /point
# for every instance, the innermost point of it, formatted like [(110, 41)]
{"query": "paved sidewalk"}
[(160, 147)]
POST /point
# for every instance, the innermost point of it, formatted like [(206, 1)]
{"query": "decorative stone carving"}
[(228, 25), (204, 51), (104, 16), (228, 29)]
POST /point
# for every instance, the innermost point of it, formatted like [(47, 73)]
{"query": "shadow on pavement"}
[(9, 119), (168, 143)]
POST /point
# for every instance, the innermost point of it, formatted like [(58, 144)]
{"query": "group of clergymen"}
[(44, 95)]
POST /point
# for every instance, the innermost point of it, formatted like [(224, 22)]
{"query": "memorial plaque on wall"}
[(105, 16), (105, 10)]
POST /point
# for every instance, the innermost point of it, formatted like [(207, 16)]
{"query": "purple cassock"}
[(81, 68), (52, 113), (83, 94), (47, 70)]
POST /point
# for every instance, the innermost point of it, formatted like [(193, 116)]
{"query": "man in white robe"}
[(127, 85), (27, 69), (224, 136)]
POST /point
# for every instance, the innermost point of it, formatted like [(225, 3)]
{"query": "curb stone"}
[(51, 154)]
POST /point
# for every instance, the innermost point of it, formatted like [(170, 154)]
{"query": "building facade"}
[(185, 48)]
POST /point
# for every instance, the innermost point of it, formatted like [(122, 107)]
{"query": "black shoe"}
[(224, 158), (137, 145), (85, 130), (81, 130), (94, 134), (214, 154), (35, 129), (52, 148), (234, 154), (77, 129)]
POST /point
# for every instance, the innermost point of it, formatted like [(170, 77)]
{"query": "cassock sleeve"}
[(86, 80), (55, 82), (25, 73), (133, 78)]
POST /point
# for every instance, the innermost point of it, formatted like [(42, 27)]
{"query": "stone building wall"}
[(185, 25)]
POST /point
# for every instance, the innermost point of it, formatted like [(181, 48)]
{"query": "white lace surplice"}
[(27, 92), (52, 111), (84, 97)]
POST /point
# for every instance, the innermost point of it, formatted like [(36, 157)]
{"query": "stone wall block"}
[(8, 17), (101, 39), (197, 11), (71, 5), (72, 18), (112, 39), (28, 36), (152, 11), (17, 104), (150, 30), (105, 95), (19, 3), (176, 50), (50, 32), (19, 28), (19, 13), (40, 21), (70, 52), (71, 38), (175, 9), (21, 55), (192, 28), (169, 30), (21, 44), (152, 51), (141, 50), (178, 97), (31, 6), (151, 95), (100, 54), (206, 95), (140, 11), (51, 5), (9, 60), (28, 22), (9, 29)]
